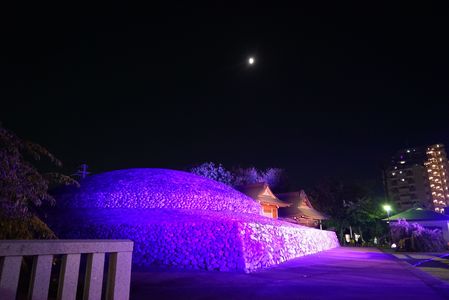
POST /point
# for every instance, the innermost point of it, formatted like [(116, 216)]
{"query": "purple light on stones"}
[(181, 220), (156, 188)]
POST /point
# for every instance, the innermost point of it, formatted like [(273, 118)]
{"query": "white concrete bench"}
[(118, 276)]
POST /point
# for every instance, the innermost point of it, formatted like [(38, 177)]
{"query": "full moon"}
[(251, 60)]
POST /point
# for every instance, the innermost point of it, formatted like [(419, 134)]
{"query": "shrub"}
[(415, 237), (24, 228)]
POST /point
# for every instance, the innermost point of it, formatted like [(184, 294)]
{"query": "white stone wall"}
[(203, 240), (265, 245)]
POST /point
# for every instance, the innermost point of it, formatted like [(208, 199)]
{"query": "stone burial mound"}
[(181, 220)]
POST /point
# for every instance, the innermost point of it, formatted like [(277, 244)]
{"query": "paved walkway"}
[(342, 273), (436, 264)]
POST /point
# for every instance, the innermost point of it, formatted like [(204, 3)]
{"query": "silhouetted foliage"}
[(245, 176), (274, 177), (349, 205), (24, 228), (22, 187), (214, 172)]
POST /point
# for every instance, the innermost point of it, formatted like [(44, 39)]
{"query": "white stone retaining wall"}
[(200, 239), (265, 245)]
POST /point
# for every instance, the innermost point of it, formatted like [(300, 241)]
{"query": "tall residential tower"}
[(418, 177), (436, 166)]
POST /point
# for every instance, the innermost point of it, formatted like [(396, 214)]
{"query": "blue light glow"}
[(181, 220)]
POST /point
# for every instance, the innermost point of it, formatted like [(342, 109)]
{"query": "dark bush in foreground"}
[(414, 237), (24, 228)]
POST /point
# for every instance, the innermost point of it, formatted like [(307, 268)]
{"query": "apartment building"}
[(418, 177)]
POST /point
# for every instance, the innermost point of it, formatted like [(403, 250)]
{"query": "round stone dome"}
[(155, 188)]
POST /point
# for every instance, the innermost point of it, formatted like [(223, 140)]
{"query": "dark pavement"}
[(436, 264), (341, 273)]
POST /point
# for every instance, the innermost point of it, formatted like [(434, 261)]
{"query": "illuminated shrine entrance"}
[(270, 211), (264, 196)]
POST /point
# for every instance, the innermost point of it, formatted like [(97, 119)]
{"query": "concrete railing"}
[(118, 272)]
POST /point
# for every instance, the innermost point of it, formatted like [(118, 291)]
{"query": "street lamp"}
[(387, 208)]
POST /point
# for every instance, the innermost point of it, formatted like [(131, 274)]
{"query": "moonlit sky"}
[(334, 91)]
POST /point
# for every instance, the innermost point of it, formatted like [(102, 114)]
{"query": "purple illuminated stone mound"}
[(155, 188), (195, 239)]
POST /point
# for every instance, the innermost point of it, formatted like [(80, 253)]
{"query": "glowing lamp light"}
[(393, 246), (387, 208), (251, 60)]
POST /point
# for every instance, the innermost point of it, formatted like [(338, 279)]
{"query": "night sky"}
[(335, 90)]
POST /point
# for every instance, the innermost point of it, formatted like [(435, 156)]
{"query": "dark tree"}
[(276, 178), (349, 205), (23, 188), (213, 171), (245, 176)]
